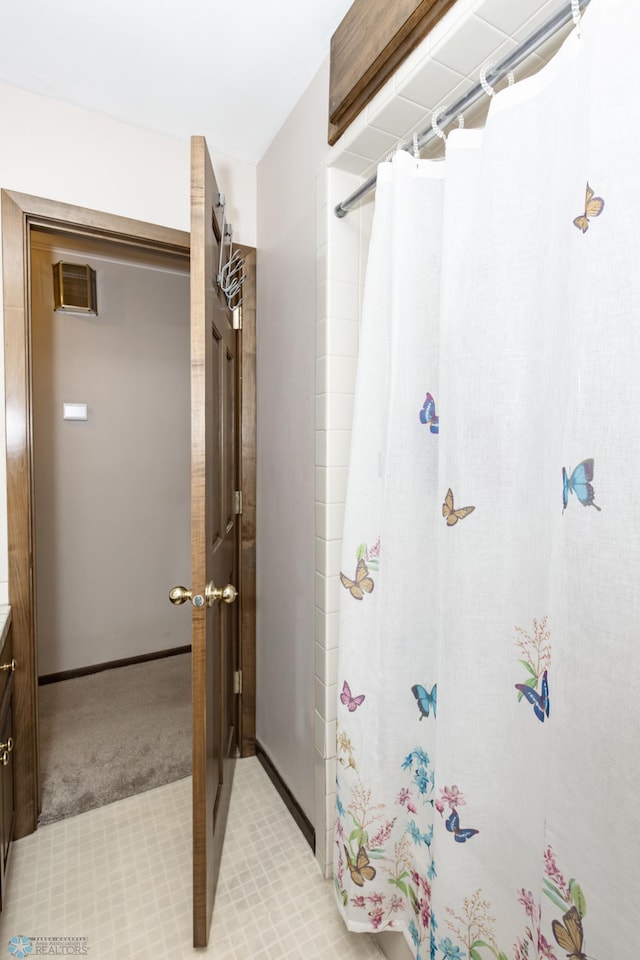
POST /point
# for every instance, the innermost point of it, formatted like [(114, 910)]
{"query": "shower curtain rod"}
[(496, 73)]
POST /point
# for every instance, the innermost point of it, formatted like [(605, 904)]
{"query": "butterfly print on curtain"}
[(449, 511), (366, 559), (428, 414), (593, 207), (426, 701), (367, 837), (472, 929), (362, 584), (536, 650), (452, 797), (361, 870), (349, 701), (568, 932), (579, 482)]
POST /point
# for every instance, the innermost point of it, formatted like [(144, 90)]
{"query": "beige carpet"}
[(112, 734)]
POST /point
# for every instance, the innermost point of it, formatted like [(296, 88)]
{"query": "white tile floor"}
[(121, 877)]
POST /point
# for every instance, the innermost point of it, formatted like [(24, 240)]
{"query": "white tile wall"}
[(338, 310), (441, 69)]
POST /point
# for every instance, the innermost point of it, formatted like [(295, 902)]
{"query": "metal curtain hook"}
[(434, 123), (486, 86), (398, 147), (488, 89), (576, 16)]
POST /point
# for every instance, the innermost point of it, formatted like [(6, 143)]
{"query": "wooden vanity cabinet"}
[(7, 807)]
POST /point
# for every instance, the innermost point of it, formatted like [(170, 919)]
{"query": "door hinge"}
[(237, 318), (237, 681), (238, 501)]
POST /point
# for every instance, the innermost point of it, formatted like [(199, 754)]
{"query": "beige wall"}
[(286, 456), (61, 152), (54, 150), (112, 495), (293, 254)]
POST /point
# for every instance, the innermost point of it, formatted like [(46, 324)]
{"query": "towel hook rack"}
[(230, 271)]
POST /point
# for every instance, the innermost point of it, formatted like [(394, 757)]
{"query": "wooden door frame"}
[(19, 213)]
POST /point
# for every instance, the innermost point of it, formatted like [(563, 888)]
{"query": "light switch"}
[(74, 411)]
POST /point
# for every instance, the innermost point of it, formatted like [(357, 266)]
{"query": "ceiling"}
[(229, 69)]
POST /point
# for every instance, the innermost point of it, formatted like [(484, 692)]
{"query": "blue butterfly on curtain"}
[(460, 834), (426, 701), (428, 414), (579, 482), (539, 701)]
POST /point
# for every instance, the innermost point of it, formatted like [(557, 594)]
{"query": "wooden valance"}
[(371, 42)]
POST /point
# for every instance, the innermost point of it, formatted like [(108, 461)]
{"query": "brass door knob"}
[(9, 666), (179, 595), (227, 594)]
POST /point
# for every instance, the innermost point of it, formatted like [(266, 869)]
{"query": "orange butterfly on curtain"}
[(569, 934), (593, 207), (450, 513), (361, 870), (362, 583)]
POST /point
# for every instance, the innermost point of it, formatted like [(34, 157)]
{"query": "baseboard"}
[(111, 665), (290, 801)]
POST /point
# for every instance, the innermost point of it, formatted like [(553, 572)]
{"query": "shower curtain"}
[(489, 658)]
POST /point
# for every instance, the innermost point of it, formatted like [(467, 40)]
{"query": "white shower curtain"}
[(488, 720)]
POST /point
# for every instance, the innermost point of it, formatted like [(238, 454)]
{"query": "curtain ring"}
[(576, 16), (416, 148), (460, 122), (488, 89), (389, 157), (434, 123)]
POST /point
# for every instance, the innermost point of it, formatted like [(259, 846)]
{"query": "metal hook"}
[(486, 86), (576, 16), (230, 274), (232, 278), (434, 123), (488, 89)]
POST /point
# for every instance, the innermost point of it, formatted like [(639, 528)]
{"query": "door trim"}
[(246, 394), (19, 213)]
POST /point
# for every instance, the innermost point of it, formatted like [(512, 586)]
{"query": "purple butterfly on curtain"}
[(539, 701), (460, 834), (348, 700), (428, 414)]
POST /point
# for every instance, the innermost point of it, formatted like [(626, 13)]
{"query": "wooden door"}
[(214, 544)]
